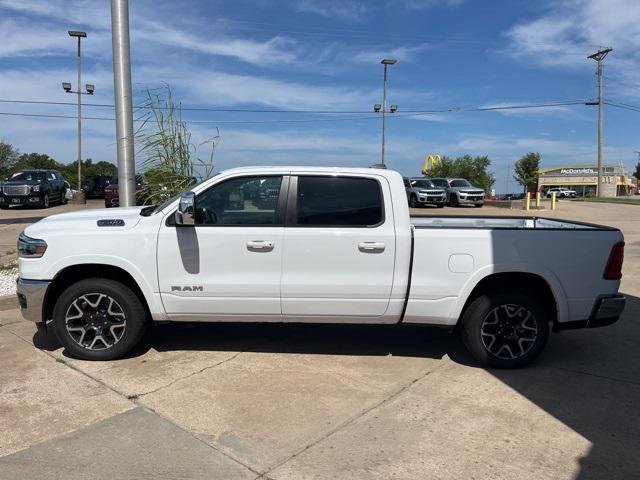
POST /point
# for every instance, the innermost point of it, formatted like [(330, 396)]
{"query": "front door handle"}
[(371, 247), (260, 245)]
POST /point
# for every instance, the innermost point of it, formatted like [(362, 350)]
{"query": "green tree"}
[(8, 158), (527, 170), (637, 172), (36, 160), (474, 169)]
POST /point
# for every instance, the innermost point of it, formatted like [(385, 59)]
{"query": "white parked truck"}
[(302, 244)]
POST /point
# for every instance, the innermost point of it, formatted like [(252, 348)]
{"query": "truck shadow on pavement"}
[(589, 380)]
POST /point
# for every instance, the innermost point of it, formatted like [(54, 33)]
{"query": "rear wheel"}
[(99, 319), (505, 330), (63, 198)]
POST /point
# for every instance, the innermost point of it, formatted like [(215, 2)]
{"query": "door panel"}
[(230, 263), (343, 270)]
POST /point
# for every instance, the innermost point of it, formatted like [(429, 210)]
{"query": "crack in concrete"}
[(136, 403), (353, 419)]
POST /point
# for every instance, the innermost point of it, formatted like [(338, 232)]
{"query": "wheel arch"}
[(75, 273), (532, 283)]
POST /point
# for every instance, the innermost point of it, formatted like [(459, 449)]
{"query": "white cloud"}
[(403, 54), (568, 31), (277, 50), (426, 4), (347, 9)]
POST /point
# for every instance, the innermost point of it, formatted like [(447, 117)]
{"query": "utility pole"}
[(599, 57), (79, 196), (124, 102), (377, 107), (506, 186)]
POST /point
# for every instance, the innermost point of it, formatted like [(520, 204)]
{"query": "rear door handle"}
[(371, 247), (260, 245)]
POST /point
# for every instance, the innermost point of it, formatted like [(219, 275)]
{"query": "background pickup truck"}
[(315, 245)]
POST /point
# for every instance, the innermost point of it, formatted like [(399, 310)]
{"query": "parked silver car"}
[(420, 191), (460, 192)]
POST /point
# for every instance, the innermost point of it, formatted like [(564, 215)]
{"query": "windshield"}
[(422, 183), (460, 183), (28, 176)]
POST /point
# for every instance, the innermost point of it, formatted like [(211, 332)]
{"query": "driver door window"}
[(241, 201)]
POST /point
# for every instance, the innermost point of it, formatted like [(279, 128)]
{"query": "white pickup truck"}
[(302, 244)]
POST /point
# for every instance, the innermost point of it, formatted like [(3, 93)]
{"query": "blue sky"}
[(324, 55)]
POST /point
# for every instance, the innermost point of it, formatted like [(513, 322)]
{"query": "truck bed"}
[(509, 223), (451, 254)]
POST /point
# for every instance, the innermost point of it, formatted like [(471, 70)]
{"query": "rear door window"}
[(338, 201)]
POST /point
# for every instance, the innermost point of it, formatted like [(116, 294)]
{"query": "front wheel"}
[(505, 330), (478, 205), (440, 205), (413, 201), (453, 201), (44, 203), (99, 319)]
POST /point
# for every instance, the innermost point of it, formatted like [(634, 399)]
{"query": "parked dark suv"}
[(38, 188), (94, 185)]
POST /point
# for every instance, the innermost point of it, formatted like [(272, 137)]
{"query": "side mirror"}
[(186, 213)]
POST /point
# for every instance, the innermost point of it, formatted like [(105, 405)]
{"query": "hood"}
[(84, 221)]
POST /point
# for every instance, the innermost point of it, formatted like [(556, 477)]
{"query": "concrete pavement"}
[(321, 401)]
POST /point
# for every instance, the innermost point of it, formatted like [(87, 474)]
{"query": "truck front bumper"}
[(7, 200), (31, 295), (606, 311)]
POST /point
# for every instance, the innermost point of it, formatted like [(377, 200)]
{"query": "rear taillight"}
[(613, 270)]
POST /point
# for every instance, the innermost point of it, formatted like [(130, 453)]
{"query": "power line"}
[(323, 112), (407, 114), (625, 106)]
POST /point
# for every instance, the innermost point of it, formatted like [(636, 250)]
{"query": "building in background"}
[(584, 179)]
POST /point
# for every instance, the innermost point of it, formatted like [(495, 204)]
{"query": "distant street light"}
[(377, 107), (90, 88)]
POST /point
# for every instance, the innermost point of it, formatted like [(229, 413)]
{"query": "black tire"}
[(440, 205), (4, 207), (45, 202), (453, 200), (127, 314), (413, 201), (478, 205), (63, 198), (510, 325)]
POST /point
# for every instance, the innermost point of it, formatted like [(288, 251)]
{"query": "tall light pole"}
[(79, 196), (599, 57), (377, 107), (124, 101)]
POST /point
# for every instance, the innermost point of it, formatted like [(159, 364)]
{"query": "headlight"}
[(35, 188), (31, 247)]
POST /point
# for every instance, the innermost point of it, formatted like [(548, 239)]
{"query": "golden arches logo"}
[(430, 161)]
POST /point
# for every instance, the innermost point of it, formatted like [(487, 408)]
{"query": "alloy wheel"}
[(95, 321), (509, 331)]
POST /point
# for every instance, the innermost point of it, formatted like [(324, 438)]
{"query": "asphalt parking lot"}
[(319, 401)]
